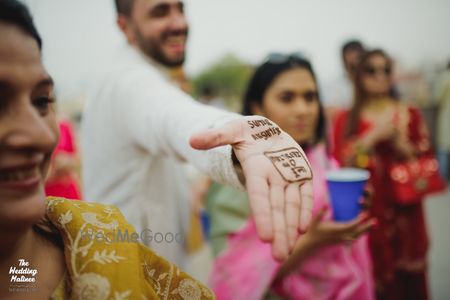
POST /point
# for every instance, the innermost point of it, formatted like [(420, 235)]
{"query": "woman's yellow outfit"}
[(105, 259)]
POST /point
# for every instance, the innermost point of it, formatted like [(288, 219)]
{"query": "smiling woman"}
[(378, 133), (42, 255), (28, 131)]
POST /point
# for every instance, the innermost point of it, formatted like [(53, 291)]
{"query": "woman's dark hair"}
[(360, 94), (15, 13), (263, 77)]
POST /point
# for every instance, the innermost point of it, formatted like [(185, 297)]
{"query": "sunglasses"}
[(280, 58), (371, 71)]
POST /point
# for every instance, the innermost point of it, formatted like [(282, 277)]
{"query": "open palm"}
[(277, 174)]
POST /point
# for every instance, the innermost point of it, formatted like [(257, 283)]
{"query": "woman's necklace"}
[(378, 105)]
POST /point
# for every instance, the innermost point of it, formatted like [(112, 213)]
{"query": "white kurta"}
[(135, 133)]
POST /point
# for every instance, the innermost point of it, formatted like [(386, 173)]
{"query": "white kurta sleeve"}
[(160, 118)]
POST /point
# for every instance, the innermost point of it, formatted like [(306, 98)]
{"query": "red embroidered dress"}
[(399, 244)]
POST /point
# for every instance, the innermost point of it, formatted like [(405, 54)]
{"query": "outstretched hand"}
[(277, 173)]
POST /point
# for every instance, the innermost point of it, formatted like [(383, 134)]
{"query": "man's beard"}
[(152, 49)]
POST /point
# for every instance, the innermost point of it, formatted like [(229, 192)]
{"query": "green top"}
[(229, 210)]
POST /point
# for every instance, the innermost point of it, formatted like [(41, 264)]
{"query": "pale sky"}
[(80, 36)]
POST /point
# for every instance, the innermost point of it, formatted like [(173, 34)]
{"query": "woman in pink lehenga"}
[(331, 260)]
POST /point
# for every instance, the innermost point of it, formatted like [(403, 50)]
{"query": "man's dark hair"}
[(124, 7), (352, 45), (15, 13)]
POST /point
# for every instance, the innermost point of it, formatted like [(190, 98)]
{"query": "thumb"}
[(214, 137)]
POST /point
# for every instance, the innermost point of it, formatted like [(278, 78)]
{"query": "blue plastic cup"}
[(346, 187), (206, 224)]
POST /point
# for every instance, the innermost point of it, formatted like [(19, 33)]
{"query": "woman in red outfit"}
[(63, 180), (377, 131)]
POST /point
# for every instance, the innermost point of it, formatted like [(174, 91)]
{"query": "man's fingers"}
[(306, 197), (280, 247), (215, 137), (292, 209), (258, 194)]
